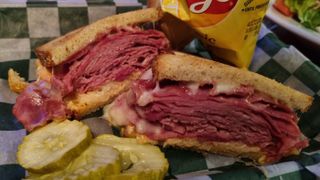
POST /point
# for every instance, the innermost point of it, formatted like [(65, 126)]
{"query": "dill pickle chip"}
[(96, 162), (53, 146), (139, 161)]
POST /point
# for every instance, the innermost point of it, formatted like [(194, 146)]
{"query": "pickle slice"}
[(96, 162), (53, 146), (139, 161)]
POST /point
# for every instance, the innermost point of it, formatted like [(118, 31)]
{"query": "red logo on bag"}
[(211, 6)]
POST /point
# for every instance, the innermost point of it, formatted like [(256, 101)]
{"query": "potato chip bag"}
[(228, 27)]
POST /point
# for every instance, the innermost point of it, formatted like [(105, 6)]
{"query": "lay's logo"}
[(211, 6)]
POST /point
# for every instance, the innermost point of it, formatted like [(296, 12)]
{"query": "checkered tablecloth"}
[(25, 25)]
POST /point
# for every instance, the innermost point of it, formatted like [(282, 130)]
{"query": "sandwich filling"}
[(38, 102), (217, 112), (112, 57)]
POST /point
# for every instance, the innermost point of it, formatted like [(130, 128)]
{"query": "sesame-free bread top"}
[(81, 104), (233, 149), (184, 67), (60, 49)]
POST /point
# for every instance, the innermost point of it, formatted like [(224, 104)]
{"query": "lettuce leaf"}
[(308, 12)]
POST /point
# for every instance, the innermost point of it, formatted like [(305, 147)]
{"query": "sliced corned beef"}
[(37, 104), (237, 114), (112, 57)]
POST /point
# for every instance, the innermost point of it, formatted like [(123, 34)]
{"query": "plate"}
[(292, 25)]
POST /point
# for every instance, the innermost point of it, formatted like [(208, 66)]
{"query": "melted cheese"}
[(144, 127), (193, 87), (218, 87), (224, 87), (145, 98), (147, 75), (119, 113)]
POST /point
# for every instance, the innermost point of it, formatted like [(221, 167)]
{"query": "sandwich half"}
[(203, 105), (85, 69)]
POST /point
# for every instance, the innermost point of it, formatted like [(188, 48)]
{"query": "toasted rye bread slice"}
[(184, 67), (232, 149), (60, 49), (84, 103)]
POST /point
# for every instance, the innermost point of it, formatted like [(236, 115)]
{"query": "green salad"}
[(308, 12)]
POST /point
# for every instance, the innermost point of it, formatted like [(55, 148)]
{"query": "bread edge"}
[(82, 104), (231, 149), (184, 67), (60, 49)]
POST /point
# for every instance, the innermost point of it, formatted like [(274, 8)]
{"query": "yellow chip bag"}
[(229, 27)]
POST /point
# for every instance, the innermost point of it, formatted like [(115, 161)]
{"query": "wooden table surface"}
[(309, 49)]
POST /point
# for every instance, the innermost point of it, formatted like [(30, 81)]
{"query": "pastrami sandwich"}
[(85, 69), (203, 105)]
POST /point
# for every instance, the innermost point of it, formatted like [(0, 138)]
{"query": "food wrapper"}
[(229, 28)]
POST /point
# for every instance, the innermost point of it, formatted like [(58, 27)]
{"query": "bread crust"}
[(184, 67), (234, 149), (60, 49), (82, 104)]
